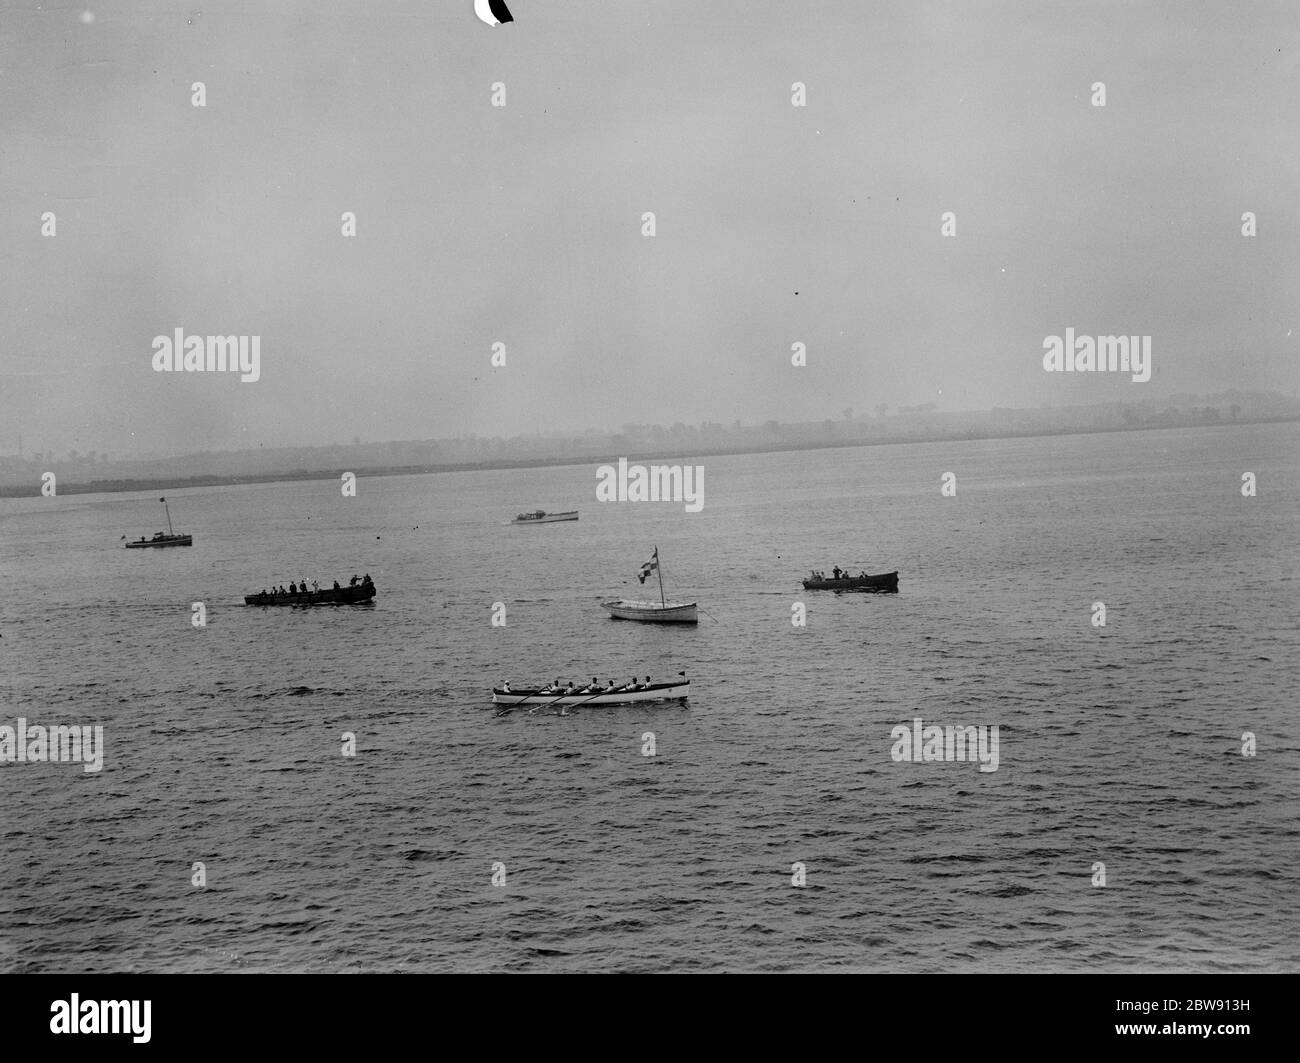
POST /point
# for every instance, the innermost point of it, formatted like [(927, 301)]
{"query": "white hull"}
[(656, 692), (550, 518), (653, 612)]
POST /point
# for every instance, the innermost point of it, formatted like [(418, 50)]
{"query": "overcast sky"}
[(522, 224)]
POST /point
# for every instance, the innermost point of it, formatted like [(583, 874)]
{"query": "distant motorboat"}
[(160, 539), (170, 538), (660, 612), (883, 583), (351, 595), (540, 516)]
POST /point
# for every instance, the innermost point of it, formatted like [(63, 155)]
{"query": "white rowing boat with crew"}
[(677, 690)]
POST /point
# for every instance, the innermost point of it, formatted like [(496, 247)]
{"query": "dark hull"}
[(884, 583), (166, 540), (342, 596), (546, 518)]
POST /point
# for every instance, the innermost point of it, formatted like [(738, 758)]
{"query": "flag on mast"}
[(649, 566)]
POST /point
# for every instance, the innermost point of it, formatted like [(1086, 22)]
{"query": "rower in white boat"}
[(612, 693)]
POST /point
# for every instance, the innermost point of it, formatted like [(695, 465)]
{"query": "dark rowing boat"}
[(354, 595), (884, 583)]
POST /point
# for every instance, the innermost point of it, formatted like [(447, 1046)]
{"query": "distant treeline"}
[(94, 472)]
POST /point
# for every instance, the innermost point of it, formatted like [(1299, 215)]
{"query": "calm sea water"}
[(1119, 744)]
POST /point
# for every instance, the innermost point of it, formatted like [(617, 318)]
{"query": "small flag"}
[(649, 566), (493, 12)]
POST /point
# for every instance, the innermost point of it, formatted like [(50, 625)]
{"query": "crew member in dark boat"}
[(336, 586)]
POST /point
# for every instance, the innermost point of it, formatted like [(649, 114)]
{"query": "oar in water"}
[(602, 693), (563, 708), (506, 708)]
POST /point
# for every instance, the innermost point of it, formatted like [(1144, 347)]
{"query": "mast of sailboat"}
[(659, 571), (169, 516)]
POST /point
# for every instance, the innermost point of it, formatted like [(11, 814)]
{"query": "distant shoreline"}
[(299, 475)]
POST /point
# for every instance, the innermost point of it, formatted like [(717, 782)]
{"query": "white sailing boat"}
[(660, 612)]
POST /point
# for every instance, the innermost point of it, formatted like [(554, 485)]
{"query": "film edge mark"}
[(209, 354)]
